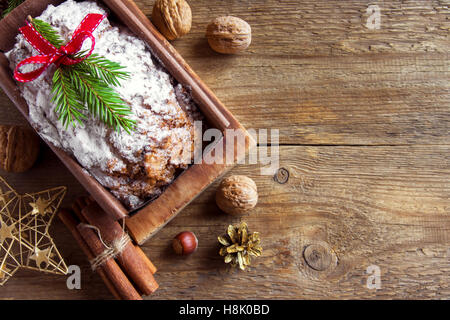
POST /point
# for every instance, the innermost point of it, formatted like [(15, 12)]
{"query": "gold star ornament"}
[(6, 232), (25, 241), (40, 256), (4, 271), (40, 206)]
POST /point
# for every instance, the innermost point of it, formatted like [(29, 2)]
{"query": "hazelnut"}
[(19, 148), (237, 195), (173, 18), (229, 34), (185, 243)]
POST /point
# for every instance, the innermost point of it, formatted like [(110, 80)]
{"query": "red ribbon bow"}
[(50, 54)]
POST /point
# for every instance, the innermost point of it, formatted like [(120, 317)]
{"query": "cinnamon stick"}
[(115, 274), (71, 223), (77, 206), (81, 202), (144, 257), (129, 259)]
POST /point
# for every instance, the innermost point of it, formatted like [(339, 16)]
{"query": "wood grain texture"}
[(381, 205), (364, 119), (316, 72)]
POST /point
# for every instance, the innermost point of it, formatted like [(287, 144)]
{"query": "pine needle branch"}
[(69, 108), (47, 31), (102, 101), (12, 4), (86, 87), (100, 67)]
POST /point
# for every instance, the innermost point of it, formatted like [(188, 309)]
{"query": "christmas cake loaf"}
[(134, 166)]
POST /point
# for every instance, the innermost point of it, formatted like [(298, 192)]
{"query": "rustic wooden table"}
[(364, 120)]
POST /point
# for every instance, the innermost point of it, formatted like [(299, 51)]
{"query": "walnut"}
[(19, 148), (229, 34), (173, 18), (237, 195)]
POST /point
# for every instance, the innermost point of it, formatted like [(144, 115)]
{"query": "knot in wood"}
[(282, 176), (318, 257)]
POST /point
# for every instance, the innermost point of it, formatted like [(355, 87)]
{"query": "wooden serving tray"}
[(149, 219)]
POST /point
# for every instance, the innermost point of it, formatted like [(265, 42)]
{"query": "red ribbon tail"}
[(30, 76), (90, 22)]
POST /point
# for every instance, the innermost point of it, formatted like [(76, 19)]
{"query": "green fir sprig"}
[(68, 106), (12, 4), (47, 31), (103, 68), (102, 100), (87, 86)]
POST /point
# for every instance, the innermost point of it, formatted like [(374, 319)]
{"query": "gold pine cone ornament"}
[(239, 245)]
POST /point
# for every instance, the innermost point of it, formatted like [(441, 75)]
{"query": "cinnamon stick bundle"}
[(129, 259), (82, 202), (67, 218), (118, 278), (132, 273)]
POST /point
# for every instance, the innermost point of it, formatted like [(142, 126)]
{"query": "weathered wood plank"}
[(315, 72), (386, 206), (381, 205), (327, 27)]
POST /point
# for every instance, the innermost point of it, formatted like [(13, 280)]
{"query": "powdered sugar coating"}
[(133, 166)]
